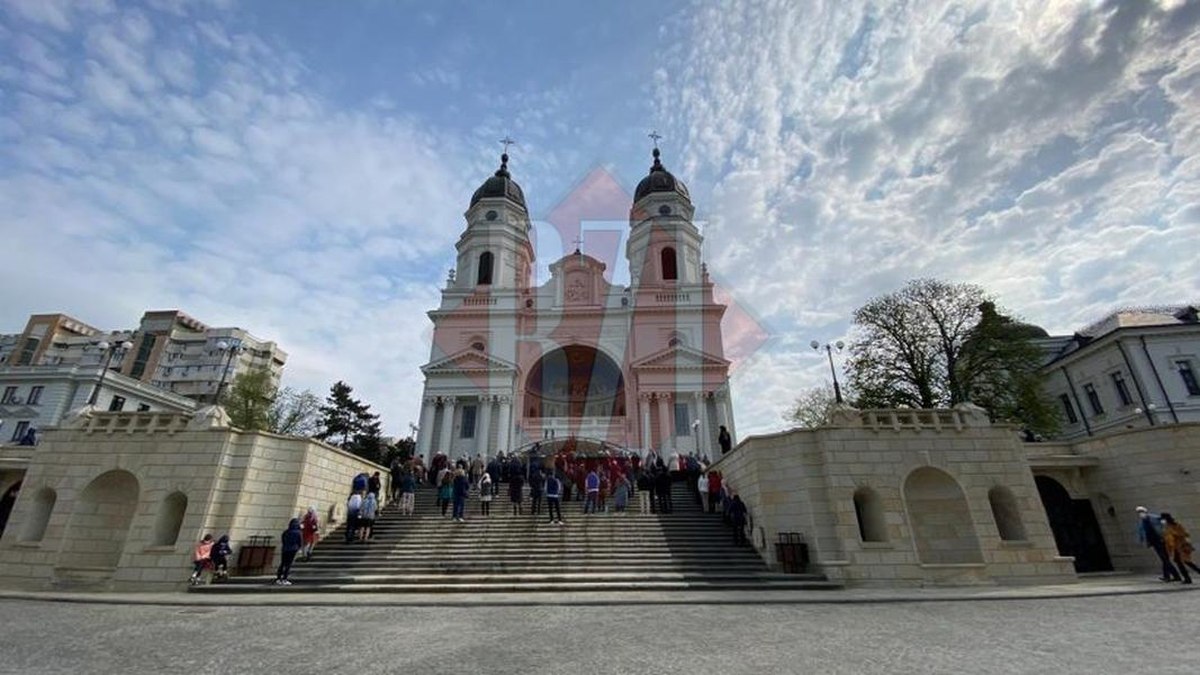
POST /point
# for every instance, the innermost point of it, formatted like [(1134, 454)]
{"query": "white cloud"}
[(1036, 148), (241, 197)]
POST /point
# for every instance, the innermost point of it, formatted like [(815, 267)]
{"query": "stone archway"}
[(1073, 522), (100, 521), (940, 519), (575, 381)]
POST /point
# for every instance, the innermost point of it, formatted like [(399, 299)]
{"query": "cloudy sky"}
[(301, 169)]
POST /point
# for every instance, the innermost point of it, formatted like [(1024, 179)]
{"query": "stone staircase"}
[(429, 553)]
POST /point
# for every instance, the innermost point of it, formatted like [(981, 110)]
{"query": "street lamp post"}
[(837, 390), (230, 350), (110, 350)]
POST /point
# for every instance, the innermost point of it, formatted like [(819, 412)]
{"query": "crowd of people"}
[(602, 484), (538, 485)]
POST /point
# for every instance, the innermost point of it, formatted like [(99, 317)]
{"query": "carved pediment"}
[(681, 357), (468, 361)]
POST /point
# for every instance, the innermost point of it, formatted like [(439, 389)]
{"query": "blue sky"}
[(300, 169)]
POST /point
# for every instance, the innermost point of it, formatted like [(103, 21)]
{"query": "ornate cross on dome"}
[(579, 244), (653, 135), (506, 141)]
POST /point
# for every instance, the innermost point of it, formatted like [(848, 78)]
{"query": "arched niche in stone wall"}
[(38, 515), (170, 519), (1006, 513), (940, 518), (868, 510), (100, 520)]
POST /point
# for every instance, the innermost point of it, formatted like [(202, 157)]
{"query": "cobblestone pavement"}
[(1154, 633)]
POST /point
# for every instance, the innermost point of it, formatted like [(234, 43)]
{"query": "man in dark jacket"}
[(537, 482), (662, 488), (737, 513), (462, 488), (554, 491), (290, 541)]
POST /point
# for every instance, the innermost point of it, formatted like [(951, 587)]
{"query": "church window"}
[(468, 422), (670, 268), (485, 269), (682, 424)]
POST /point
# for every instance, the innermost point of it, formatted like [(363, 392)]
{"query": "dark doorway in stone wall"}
[(6, 504), (1076, 531)]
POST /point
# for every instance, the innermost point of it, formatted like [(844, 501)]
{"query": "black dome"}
[(500, 184), (660, 180)]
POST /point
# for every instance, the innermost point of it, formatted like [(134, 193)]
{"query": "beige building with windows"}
[(1133, 368), (170, 350)]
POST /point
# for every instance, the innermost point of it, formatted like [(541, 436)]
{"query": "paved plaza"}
[(1146, 633)]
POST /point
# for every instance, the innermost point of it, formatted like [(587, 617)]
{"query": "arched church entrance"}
[(99, 523), (6, 504), (940, 519), (575, 381), (1073, 522)]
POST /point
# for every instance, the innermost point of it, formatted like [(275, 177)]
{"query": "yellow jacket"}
[(1176, 540)]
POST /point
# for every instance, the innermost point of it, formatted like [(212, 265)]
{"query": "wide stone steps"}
[(503, 553)]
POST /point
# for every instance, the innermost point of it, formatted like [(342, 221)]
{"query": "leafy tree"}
[(295, 413), (248, 400), (935, 344), (403, 449), (909, 342), (998, 371), (349, 423), (813, 407)]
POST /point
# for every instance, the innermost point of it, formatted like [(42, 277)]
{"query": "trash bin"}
[(256, 555), (791, 552)]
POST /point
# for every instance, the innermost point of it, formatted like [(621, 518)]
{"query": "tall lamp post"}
[(110, 350), (839, 345), (230, 350)]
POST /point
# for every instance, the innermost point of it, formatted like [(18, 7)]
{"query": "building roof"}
[(500, 184), (1164, 316), (660, 180)]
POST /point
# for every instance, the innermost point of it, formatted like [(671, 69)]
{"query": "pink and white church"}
[(577, 358)]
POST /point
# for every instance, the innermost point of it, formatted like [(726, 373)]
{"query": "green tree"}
[(349, 423), (248, 400), (295, 413), (935, 344), (813, 407), (998, 370)]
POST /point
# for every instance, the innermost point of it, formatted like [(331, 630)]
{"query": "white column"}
[(664, 422), (447, 425), (644, 406), (504, 433), (725, 410), (425, 431), (485, 426), (704, 435)]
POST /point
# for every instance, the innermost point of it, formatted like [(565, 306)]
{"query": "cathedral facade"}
[(578, 359)]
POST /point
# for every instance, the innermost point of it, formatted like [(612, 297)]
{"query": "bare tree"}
[(813, 407), (295, 413)]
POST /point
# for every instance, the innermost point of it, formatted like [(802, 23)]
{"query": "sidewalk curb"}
[(184, 599)]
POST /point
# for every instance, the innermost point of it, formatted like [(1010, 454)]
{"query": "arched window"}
[(39, 515), (670, 268), (1006, 513), (485, 269), (872, 526), (170, 519)]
